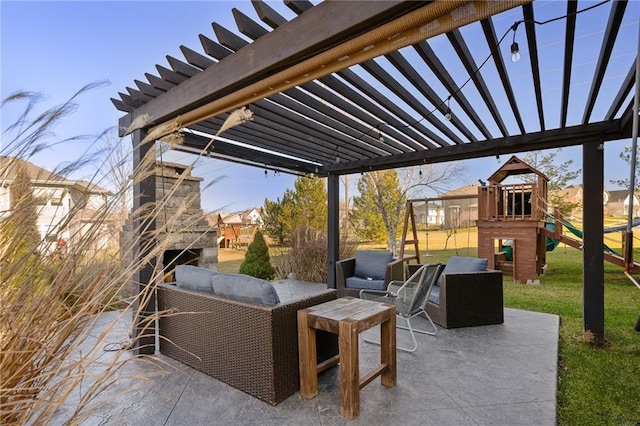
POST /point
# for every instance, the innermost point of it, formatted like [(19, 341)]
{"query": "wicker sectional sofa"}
[(252, 347)]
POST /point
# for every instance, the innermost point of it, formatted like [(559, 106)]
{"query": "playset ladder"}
[(409, 219)]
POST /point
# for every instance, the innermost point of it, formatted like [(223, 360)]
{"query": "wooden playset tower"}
[(510, 218)]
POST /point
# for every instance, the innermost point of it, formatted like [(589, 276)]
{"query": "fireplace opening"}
[(172, 258)]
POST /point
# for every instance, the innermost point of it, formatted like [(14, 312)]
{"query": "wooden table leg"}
[(349, 370), (388, 350), (307, 357)]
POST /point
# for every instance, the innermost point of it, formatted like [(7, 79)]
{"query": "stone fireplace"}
[(181, 227)]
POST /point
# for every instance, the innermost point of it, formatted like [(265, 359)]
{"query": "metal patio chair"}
[(409, 298)]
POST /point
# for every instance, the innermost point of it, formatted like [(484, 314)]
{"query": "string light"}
[(266, 173), (498, 158), (515, 49), (515, 57), (447, 112)]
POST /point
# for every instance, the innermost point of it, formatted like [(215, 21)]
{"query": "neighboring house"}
[(58, 197), (573, 194), (431, 214), (617, 203), (236, 229), (460, 207)]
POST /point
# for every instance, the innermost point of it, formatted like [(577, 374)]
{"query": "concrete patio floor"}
[(491, 375)]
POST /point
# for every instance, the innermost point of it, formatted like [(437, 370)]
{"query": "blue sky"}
[(57, 47)]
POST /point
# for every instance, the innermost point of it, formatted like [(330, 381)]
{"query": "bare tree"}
[(383, 195)]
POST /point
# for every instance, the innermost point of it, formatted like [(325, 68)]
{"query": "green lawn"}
[(596, 385)]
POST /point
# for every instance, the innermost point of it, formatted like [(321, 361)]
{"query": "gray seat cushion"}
[(194, 278), (457, 265), (245, 288), (372, 264), (363, 283)]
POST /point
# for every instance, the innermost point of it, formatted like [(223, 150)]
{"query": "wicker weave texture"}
[(253, 348), (469, 299)]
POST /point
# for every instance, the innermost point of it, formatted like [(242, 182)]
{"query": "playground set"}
[(515, 228)]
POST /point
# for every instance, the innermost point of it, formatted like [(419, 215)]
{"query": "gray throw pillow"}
[(194, 278), (245, 288), (372, 264)]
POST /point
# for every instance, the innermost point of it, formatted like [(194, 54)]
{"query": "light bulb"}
[(420, 172), (515, 52), (265, 173), (498, 158), (447, 114)]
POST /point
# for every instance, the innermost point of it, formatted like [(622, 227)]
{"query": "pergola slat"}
[(231, 151), (394, 123), (623, 92), (459, 45), (158, 83), (170, 76), (527, 11), (138, 95), (227, 38), (196, 59), (407, 136), (227, 76), (213, 49), (321, 108), (262, 136), (147, 88), (387, 80), (248, 26), (498, 60), (267, 14), (418, 82), (613, 25), (569, 39), (182, 68)]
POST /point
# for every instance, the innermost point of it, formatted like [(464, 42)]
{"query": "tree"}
[(625, 156), (560, 175), (304, 207), (256, 262), (24, 214), (380, 206)]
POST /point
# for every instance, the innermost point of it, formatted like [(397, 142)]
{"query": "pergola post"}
[(144, 225), (593, 242), (333, 228)]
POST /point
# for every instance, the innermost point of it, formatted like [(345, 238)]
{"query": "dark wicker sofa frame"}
[(468, 299), (253, 348)]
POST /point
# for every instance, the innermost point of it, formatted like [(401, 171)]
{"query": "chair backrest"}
[(414, 292)]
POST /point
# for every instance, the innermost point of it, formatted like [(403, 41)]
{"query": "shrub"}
[(306, 258), (256, 262)]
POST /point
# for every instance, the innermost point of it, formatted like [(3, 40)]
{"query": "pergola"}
[(355, 86)]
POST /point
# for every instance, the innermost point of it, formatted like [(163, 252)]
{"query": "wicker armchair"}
[(368, 270), (253, 348), (465, 299)]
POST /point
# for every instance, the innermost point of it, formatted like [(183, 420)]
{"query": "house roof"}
[(467, 190), (43, 177), (371, 84)]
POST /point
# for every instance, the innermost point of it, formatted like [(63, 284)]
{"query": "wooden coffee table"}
[(347, 317)]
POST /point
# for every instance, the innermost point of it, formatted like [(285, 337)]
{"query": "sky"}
[(55, 48)]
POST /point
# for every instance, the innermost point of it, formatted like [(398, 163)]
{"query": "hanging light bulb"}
[(266, 174), (447, 112), (515, 49), (420, 171), (515, 52), (498, 158), (380, 137)]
